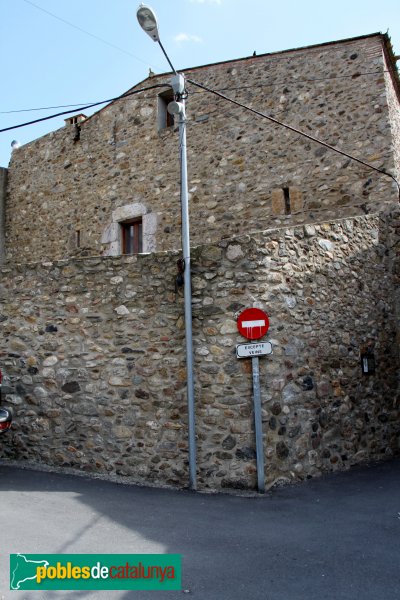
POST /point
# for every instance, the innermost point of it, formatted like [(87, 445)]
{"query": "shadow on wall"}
[(329, 292)]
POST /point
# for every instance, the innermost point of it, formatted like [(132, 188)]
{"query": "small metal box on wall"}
[(368, 362)]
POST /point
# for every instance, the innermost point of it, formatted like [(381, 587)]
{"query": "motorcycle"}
[(5, 420), (5, 414)]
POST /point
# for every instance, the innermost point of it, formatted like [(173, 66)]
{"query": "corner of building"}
[(3, 191)]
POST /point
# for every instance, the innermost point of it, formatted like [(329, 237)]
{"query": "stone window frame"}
[(112, 235)]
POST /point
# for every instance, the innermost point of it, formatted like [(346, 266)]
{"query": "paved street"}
[(334, 538)]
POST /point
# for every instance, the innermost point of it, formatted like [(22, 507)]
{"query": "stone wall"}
[(394, 266), (92, 350), (393, 100), (3, 189), (245, 173)]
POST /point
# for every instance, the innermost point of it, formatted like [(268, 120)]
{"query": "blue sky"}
[(47, 62)]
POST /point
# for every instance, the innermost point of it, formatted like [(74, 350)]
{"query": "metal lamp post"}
[(148, 22)]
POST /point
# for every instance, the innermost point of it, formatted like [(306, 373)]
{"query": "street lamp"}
[(148, 22)]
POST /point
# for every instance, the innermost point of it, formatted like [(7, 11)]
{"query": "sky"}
[(74, 52)]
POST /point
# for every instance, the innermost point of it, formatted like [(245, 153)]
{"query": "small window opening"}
[(78, 238), (165, 119), (286, 195), (132, 237)]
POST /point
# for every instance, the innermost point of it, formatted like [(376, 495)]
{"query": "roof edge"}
[(391, 63), (386, 44), (279, 52), (383, 36)]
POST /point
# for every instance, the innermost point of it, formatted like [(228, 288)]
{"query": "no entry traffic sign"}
[(253, 323)]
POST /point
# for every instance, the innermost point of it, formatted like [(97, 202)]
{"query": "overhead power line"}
[(81, 108), (285, 82), (92, 35), (298, 131), (21, 110), (232, 101), (288, 81)]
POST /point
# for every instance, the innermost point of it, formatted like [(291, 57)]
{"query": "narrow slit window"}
[(78, 238), (132, 237), (286, 196)]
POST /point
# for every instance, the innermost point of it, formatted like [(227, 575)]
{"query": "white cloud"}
[(186, 37)]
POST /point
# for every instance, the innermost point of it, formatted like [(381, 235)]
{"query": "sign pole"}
[(258, 424), (253, 324)]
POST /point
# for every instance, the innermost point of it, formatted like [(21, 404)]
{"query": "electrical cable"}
[(66, 112), (96, 37), (298, 131), (21, 110), (223, 97), (286, 82)]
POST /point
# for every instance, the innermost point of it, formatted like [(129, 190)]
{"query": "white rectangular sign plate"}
[(251, 324), (249, 350)]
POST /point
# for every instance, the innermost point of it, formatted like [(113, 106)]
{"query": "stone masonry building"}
[(92, 343)]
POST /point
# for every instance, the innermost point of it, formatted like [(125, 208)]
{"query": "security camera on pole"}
[(148, 22)]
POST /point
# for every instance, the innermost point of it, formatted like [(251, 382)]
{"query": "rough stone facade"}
[(240, 166), (93, 351), (3, 193), (92, 343), (393, 95)]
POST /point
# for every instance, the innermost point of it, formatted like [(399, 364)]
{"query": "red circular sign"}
[(253, 323)]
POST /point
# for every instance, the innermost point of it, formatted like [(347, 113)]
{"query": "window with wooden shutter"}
[(132, 237)]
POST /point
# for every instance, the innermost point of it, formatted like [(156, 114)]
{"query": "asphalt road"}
[(333, 538)]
